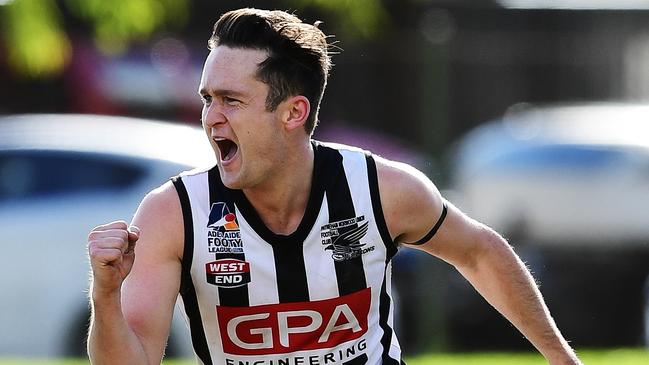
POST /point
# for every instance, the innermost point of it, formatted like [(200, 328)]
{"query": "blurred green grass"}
[(589, 357)]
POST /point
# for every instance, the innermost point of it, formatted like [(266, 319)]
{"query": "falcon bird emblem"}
[(347, 245)]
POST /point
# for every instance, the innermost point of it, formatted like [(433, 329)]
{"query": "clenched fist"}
[(111, 248)]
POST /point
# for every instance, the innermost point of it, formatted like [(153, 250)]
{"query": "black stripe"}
[(187, 290), (349, 272), (358, 360), (290, 269), (237, 296), (384, 311), (433, 230), (378, 208)]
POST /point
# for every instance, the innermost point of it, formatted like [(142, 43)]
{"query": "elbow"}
[(486, 248)]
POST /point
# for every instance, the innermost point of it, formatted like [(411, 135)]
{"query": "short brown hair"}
[(298, 60)]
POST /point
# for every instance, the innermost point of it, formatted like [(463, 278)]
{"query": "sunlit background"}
[(531, 115)]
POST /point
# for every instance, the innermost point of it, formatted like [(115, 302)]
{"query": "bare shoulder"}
[(160, 220), (411, 202), (150, 290)]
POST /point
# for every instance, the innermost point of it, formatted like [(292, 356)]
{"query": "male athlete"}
[(281, 252)]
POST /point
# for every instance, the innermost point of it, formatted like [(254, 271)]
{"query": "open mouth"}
[(227, 148)]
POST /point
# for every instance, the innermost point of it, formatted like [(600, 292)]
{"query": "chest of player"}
[(332, 258)]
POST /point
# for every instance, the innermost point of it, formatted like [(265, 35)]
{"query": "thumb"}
[(133, 236), (133, 233)]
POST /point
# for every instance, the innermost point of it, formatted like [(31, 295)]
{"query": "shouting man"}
[(281, 252)]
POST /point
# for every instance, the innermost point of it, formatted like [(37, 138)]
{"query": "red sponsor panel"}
[(289, 327)]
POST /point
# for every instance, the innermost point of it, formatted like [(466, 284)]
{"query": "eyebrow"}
[(219, 92)]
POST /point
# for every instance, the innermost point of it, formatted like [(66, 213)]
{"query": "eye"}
[(230, 101), (206, 99)]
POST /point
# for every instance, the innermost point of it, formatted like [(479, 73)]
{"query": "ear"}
[(297, 110)]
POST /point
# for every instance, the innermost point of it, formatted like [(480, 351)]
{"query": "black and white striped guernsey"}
[(318, 296)]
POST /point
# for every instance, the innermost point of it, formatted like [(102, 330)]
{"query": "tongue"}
[(230, 152)]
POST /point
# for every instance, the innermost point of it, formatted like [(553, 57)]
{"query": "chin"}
[(230, 180)]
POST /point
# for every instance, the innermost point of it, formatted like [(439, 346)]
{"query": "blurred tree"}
[(356, 18), (117, 23), (37, 44)]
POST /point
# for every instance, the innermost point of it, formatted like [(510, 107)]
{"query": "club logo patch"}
[(223, 235), (343, 238), (228, 273)]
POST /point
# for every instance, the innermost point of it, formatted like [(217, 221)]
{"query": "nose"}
[(213, 116)]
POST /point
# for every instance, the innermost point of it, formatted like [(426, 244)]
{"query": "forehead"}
[(227, 67)]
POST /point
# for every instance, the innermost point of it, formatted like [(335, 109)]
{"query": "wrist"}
[(567, 357), (105, 296)]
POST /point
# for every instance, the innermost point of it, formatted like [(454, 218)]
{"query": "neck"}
[(281, 200)]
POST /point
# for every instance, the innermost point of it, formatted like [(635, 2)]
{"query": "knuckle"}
[(123, 234), (120, 224), (92, 245), (93, 235), (93, 252), (108, 235)]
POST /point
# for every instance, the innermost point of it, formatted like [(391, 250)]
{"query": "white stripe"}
[(320, 267), (263, 278)]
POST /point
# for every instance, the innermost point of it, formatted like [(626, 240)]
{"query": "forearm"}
[(503, 280), (111, 340)]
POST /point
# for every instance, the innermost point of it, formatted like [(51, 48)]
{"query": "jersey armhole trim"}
[(187, 289), (433, 230), (377, 208), (188, 245)]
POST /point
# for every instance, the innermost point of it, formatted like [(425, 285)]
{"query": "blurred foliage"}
[(356, 18), (37, 44), (116, 23)]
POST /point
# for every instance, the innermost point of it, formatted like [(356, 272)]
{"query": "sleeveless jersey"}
[(318, 296)]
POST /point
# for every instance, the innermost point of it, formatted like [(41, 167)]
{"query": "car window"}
[(28, 174), (567, 156)]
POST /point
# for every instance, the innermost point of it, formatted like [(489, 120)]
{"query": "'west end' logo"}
[(223, 235), (228, 273)]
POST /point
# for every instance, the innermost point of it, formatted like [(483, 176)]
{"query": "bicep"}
[(149, 292), (460, 239), (414, 207)]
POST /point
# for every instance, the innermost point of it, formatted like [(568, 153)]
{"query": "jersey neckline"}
[(311, 212)]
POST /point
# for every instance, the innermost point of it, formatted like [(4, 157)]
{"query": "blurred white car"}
[(569, 186), (560, 175), (61, 175)]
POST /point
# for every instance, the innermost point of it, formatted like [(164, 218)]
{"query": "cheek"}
[(232, 111), (208, 134)]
